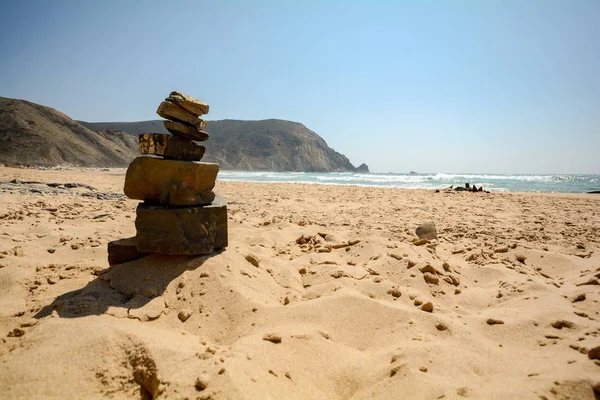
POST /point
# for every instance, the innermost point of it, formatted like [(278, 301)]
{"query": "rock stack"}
[(180, 213)]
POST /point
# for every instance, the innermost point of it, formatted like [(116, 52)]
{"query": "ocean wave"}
[(492, 182)]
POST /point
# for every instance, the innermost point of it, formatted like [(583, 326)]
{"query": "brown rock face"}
[(172, 111), (191, 104), (123, 250), (186, 131), (170, 147), (187, 230), (170, 182)]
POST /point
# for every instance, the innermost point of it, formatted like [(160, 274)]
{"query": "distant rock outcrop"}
[(31, 134), (363, 168), (266, 145)]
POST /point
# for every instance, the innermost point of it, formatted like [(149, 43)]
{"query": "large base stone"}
[(170, 182), (123, 250), (170, 147), (186, 230)]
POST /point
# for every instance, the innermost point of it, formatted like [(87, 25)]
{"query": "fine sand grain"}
[(322, 294)]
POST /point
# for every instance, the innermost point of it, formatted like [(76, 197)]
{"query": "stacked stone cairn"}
[(180, 213)]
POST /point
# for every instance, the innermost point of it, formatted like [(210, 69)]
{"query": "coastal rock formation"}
[(178, 215), (363, 168), (266, 145), (31, 134)]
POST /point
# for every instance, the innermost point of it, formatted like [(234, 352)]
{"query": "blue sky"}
[(508, 86)]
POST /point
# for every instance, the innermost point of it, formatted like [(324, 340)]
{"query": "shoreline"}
[(9, 173)]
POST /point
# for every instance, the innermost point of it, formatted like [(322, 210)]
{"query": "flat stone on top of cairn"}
[(170, 147), (171, 182), (191, 104)]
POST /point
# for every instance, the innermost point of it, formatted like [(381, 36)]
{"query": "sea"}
[(556, 183)]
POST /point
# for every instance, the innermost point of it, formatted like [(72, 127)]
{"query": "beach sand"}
[(315, 297)]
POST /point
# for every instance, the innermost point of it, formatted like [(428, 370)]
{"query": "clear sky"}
[(509, 86)]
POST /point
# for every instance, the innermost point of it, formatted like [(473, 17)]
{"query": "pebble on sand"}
[(202, 382), (427, 230), (252, 259), (430, 278), (184, 314), (561, 323), (579, 297), (272, 337), (441, 327), (594, 353)]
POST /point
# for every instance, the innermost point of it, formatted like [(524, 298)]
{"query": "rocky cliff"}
[(31, 134), (267, 145)]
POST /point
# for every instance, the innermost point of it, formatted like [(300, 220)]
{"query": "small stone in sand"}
[(202, 383), (271, 337), (441, 327), (395, 292), (430, 278), (594, 353), (184, 314), (579, 297), (123, 250), (520, 258), (493, 321), (427, 231), (428, 307), (420, 242), (251, 258), (423, 369), (418, 302), (17, 332), (561, 323), (51, 251)]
